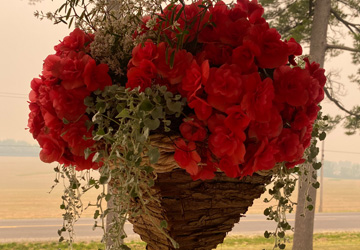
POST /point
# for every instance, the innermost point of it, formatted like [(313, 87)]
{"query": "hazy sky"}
[(25, 42)]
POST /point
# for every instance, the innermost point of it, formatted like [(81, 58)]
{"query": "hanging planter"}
[(199, 214), (179, 108)]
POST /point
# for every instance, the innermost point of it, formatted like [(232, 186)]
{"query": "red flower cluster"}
[(253, 106), (57, 116)]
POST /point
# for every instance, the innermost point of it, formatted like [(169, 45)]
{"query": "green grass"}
[(322, 241), (63, 246)]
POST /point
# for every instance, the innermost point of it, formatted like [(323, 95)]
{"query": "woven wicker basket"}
[(199, 213)]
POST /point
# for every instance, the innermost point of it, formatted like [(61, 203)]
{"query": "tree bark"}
[(304, 225)]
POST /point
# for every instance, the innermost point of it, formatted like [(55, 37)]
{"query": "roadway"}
[(252, 224)]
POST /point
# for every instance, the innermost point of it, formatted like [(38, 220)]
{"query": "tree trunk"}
[(304, 225)]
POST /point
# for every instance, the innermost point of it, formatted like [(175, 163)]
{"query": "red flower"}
[(224, 87), (78, 136), (52, 122), (230, 168), (216, 120), (257, 101), (301, 120), (294, 49), (316, 71), (222, 142), (290, 148), (206, 171), (36, 120), (253, 9), (71, 70), (312, 111), (237, 121), (274, 52), (244, 56), (146, 51), (43, 98), (193, 130), (262, 157), (269, 129), (96, 76), (291, 85), (187, 157), (69, 104), (195, 77), (76, 41), (216, 53), (181, 62), (219, 14), (231, 25), (81, 163), (305, 136), (137, 77), (51, 148), (202, 109), (52, 63)]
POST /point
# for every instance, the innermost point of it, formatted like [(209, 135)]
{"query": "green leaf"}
[(124, 114), (75, 184), (124, 247), (104, 180), (281, 234), (174, 106), (316, 185), (87, 153), (148, 169), (266, 211), (282, 246), (146, 105), (68, 14), (322, 136), (310, 207), (100, 132), (92, 181), (65, 121), (172, 59), (151, 183), (179, 13), (157, 112), (152, 124), (316, 165), (96, 214), (134, 194), (120, 107), (168, 95), (154, 155), (308, 198), (266, 234), (163, 224), (89, 101), (108, 197)]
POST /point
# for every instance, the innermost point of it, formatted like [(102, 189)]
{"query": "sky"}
[(26, 41)]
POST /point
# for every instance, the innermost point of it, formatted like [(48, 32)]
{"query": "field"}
[(25, 183), (333, 241)]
